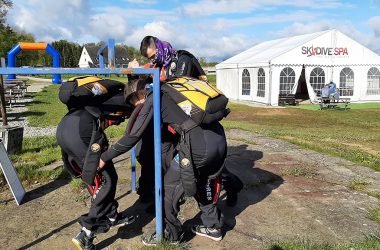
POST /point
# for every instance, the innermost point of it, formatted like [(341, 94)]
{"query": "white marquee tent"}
[(262, 73)]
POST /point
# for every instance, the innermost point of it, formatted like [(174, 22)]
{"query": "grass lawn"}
[(46, 110), (370, 105), (372, 242), (352, 134)]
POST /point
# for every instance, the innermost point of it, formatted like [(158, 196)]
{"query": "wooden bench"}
[(16, 87), (287, 99), (332, 103)]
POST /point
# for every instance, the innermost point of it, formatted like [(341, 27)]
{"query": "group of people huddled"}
[(194, 146)]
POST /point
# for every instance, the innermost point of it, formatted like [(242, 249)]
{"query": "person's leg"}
[(103, 205), (207, 195), (173, 192), (145, 156), (232, 184)]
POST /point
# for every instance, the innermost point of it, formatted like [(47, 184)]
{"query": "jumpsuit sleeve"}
[(138, 123)]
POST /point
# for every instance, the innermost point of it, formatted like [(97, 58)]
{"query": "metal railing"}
[(156, 115)]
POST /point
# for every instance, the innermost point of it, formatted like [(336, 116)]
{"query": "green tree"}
[(5, 5), (69, 52)]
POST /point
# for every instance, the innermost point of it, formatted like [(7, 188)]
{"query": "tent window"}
[(373, 77), (261, 83), (317, 80), (246, 83), (346, 82), (287, 80)]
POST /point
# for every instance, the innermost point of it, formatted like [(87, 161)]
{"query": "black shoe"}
[(151, 240), (83, 242), (211, 233), (123, 220)]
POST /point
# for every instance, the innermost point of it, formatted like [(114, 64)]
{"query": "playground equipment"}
[(19, 193), (34, 46)]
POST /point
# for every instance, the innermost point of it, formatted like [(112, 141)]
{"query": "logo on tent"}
[(324, 51)]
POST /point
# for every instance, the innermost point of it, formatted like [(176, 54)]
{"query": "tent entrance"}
[(302, 92)]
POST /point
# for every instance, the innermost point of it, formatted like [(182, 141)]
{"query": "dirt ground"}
[(290, 194)]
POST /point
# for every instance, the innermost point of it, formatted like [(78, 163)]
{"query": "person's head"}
[(134, 92), (157, 51), (148, 47)]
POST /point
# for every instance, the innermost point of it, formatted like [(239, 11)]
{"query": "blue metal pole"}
[(12, 59), (156, 117), (133, 169), (157, 151), (55, 55), (101, 56), (101, 60), (78, 71), (111, 53)]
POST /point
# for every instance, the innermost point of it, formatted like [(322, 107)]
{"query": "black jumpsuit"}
[(208, 149), (73, 136), (186, 65)]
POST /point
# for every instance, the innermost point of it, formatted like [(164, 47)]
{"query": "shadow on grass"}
[(32, 113), (45, 189), (258, 185)]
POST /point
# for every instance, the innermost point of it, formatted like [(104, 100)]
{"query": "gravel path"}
[(16, 114)]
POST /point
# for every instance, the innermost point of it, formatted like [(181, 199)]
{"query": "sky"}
[(213, 29)]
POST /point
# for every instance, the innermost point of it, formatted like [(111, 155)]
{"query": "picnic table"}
[(287, 99), (332, 103), (14, 88)]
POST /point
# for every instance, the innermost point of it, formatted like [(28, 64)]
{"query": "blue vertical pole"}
[(111, 53), (12, 59), (133, 169), (157, 151), (101, 60), (55, 55)]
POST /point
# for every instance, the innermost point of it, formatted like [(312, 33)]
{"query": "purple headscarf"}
[(163, 54)]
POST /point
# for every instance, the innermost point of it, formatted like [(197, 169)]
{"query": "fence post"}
[(157, 152)]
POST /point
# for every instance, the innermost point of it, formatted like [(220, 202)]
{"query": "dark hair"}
[(133, 86), (147, 42)]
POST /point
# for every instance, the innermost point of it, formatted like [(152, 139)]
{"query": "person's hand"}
[(133, 64), (101, 164)]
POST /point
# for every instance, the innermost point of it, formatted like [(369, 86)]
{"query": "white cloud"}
[(374, 23), (46, 20), (148, 2), (371, 41), (205, 44), (214, 7), (222, 24), (80, 21)]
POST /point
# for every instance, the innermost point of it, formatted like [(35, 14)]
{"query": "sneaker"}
[(211, 233), (151, 240), (123, 220), (83, 242)]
